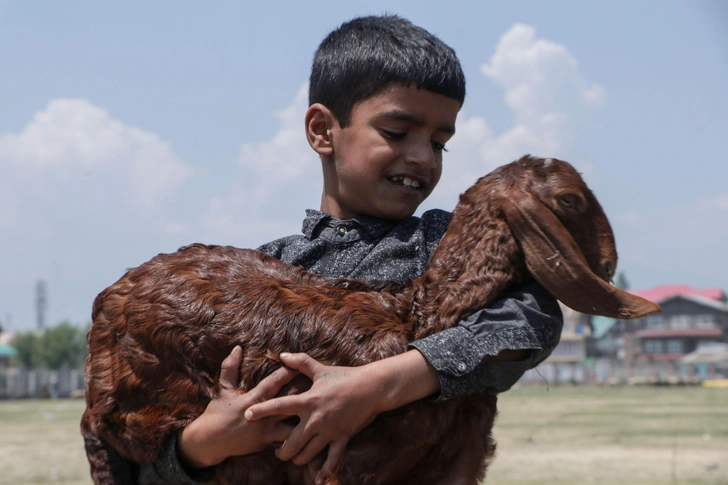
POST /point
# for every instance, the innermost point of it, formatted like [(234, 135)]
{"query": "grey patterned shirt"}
[(370, 248)]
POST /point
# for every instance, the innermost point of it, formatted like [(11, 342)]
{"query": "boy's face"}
[(389, 158)]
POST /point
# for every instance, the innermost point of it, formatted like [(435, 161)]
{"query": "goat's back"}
[(161, 332)]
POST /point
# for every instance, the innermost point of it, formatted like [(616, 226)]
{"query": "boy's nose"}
[(421, 155)]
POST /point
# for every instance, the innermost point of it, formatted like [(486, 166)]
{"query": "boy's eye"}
[(393, 135), (438, 147)]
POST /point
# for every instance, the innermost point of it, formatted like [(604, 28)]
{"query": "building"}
[(565, 364), (654, 346), (6, 353), (708, 361), (606, 339), (572, 345), (686, 323), (663, 292), (652, 349)]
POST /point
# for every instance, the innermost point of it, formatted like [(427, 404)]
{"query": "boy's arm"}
[(487, 352), (525, 328), (169, 469), (344, 400), (221, 431)]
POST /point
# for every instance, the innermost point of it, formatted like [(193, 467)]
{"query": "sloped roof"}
[(601, 325), (7, 351), (707, 354), (701, 300), (663, 292)]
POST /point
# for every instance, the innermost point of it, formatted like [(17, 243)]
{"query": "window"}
[(654, 322), (568, 347), (706, 343), (653, 346), (674, 346), (680, 322), (705, 321)]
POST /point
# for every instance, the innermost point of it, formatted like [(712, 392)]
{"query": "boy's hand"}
[(222, 430), (340, 403)]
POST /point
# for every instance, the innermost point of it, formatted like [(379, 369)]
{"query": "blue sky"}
[(133, 128)]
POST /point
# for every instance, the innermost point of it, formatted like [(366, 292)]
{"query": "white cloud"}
[(82, 197), (282, 177), (8, 200), (718, 202), (541, 78), (72, 138), (86, 195), (287, 154), (548, 97), (631, 218), (542, 85), (722, 201), (177, 228), (682, 242)]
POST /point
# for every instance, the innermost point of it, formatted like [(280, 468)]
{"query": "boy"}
[(384, 97)]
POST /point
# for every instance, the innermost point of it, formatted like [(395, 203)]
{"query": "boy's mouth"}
[(406, 182)]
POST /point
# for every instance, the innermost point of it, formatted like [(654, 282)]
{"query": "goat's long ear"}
[(555, 261)]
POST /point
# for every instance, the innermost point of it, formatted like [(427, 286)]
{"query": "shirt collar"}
[(372, 226)]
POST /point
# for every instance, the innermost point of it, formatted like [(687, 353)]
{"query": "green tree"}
[(30, 354), (63, 345), (59, 346)]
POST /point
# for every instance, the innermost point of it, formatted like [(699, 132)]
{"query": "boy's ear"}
[(319, 123)]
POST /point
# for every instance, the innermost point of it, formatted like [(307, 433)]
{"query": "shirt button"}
[(341, 230), (461, 366)]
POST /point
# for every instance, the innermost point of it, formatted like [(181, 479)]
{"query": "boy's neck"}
[(364, 217)]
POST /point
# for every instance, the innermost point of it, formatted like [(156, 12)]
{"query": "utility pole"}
[(41, 303)]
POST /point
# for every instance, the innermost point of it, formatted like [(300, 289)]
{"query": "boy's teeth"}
[(407, 182)]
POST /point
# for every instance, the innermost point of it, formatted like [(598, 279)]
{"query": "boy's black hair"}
[(364, 55)]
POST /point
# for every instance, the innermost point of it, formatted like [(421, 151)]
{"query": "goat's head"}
[(566, 237)]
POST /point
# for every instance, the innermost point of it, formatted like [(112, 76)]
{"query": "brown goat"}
[(160, 333)]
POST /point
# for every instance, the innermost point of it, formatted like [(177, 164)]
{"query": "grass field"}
[(568, 435), (630, 435)]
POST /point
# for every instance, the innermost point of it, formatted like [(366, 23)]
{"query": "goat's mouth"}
[(406, 182)]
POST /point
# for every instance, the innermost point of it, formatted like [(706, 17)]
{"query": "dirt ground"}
[(577, 435), (568, 435), (40, 442)]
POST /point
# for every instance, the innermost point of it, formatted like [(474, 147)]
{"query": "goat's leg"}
[(107, 466)]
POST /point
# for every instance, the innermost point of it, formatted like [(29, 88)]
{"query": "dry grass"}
[(40, 442), (577, 435), (564, 436)]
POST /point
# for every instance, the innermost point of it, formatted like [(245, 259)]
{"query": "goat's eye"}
[(609, 270), (567, 201)]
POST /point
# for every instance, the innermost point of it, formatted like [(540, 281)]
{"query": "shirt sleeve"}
[(168, 470), (529, 319), (273, 248)]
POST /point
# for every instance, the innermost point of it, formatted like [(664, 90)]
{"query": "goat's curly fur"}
[(160, 333)]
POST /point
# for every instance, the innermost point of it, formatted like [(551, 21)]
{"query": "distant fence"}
[(614, 372), (23, 383)]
